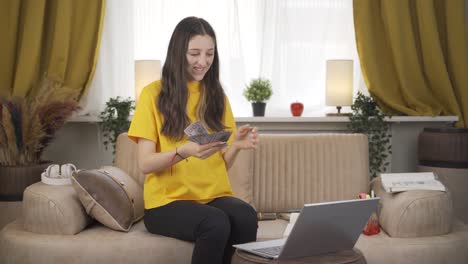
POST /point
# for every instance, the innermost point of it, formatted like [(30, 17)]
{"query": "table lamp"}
[(146, 71), (339, 91)]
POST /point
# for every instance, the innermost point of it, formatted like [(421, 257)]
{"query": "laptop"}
[(320, 228)]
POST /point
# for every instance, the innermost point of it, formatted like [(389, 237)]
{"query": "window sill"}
[(308, 119), (343, 119)]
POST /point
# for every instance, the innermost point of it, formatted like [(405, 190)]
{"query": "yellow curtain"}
[(59, 38), (414, 55)]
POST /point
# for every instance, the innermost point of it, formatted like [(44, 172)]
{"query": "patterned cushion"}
[(110, 196)]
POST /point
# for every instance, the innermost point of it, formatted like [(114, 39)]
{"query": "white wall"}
[(79, 143)]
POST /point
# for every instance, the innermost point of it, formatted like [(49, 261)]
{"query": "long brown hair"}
[(172, 101)]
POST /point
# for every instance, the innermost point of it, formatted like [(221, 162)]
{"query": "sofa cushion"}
[(448, 248), (99, 244), (126, 158), (95, 244), (414, 213), (52, 209), (110, 196), (241, 176), (292, 170)]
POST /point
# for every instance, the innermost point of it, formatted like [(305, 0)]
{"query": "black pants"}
[(214, 227)]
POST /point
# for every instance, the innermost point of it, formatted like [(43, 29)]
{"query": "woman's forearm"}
[(154, 162), (230, 155)]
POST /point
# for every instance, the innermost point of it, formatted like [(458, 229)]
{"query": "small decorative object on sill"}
[(146, 71), (339, 90), (257, 92), (297, 108), (258, 108)]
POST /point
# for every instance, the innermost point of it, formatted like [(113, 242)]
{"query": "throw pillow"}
[(416, 213), (110, 196), (53, 210)]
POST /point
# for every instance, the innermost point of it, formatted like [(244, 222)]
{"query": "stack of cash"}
[(199, 134)]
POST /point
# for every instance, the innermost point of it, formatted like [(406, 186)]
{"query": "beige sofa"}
[(284, 173)]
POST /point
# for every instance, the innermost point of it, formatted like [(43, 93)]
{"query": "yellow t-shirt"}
[(197, 180)]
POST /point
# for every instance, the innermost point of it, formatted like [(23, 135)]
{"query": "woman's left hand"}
[(246, 137)]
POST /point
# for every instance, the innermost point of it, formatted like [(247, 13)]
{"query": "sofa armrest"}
[(415, 213), (50, 209)]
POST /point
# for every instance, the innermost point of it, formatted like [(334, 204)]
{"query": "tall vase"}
[(14, 179), (258, 108)]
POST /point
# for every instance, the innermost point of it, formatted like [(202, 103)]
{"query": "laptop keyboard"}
[(270, 251)]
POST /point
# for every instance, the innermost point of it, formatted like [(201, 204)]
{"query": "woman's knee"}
[(215, 227), (251, 217), (245, 224), (246, 216)]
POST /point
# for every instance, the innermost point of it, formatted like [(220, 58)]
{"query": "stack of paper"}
[(399, 182)]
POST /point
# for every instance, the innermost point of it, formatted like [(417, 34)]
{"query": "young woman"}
[(187, 191)]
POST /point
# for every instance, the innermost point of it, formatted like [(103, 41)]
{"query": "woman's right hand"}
[(200, 151)]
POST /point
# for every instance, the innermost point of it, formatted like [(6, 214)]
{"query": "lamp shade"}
[(339, 90), (146, 72)]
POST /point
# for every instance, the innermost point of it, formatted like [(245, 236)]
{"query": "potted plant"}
[(27, 126), (115, 119), (257, 92), (368, 119)]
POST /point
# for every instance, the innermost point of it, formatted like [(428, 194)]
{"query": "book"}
[(400, 182), (292, 220)]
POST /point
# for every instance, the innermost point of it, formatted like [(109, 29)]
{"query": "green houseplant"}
[(115, 119), (257, 92), (368, 119), (27, 126)]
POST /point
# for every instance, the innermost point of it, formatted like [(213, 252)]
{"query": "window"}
[(286, 41)]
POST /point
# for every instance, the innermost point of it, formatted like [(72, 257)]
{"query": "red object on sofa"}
[(372, 227)]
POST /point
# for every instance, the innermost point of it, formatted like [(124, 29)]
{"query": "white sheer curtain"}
[(155, 21), (286, 41), (298, 37), (114, 75)]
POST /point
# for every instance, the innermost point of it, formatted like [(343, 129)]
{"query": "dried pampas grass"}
[(28, 125)]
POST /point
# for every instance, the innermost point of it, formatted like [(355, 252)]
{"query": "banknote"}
[(199, 134), (221, 136), (196, 128)]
